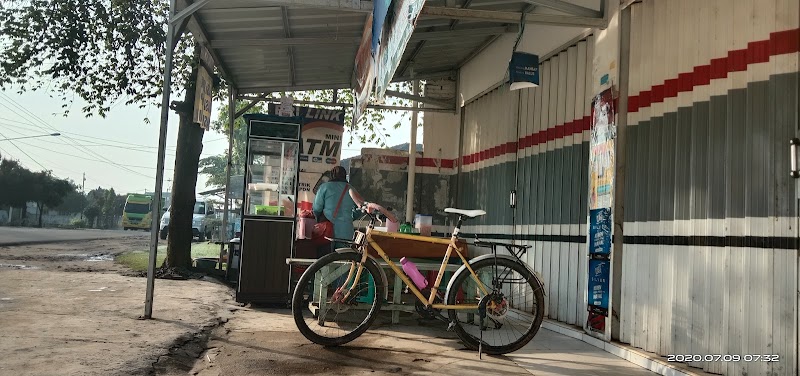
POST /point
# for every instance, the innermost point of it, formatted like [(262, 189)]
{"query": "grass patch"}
[(137, 260)]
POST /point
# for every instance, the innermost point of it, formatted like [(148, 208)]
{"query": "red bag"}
[(324, 228)]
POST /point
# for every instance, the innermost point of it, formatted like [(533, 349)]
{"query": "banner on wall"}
[(601, 201), (321, 149)]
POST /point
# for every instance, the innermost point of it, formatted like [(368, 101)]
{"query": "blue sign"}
[(600, 231), (599, 274), (523, 70)]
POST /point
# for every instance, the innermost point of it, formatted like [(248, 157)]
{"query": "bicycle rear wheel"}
[(512, 319), (329, 306)]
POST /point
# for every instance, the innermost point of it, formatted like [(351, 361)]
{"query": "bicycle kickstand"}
[(482, 317)]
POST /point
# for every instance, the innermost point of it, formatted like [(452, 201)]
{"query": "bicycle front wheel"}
[(331, 304), (512, 317)]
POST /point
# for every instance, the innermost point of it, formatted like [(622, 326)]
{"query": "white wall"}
[(490, 66), (441, 135)]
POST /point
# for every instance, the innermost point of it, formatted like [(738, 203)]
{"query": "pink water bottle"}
[(411, 270)]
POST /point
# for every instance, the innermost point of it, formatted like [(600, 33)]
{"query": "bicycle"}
[(481, 302)]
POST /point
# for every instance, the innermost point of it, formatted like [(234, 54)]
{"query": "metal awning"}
[(264, 46)]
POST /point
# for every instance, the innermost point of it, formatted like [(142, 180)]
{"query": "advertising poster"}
[(321, 149), (601, 151), (394, 38), (600, 231), (599, 275), (601, 201), (363, 71)]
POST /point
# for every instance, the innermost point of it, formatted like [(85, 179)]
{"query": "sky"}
[(118, 151)]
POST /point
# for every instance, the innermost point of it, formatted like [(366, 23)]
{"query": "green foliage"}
[(78, 223), (92, 212), (102, 51), (214, 166), (20, 186), (74, 202)]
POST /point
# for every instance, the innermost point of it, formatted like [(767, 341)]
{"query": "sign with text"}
[(202, 99), (523, 70), (600, 231), (321, 148)]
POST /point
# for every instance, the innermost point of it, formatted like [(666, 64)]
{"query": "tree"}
[(14, 181), (92, 212), (105, 52), (74, 202), (48, 191), (109, 208)]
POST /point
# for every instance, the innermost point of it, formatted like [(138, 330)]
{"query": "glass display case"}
[(270, 198), (272, 168)]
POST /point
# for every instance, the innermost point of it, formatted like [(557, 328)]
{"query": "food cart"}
[(270, 196)]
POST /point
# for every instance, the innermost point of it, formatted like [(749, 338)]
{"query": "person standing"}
[(335, 201)]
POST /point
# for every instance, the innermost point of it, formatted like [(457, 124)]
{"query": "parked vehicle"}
[(202, 220), (137, 214)]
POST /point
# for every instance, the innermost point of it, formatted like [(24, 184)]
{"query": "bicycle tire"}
[(472, 342), (298, 300)]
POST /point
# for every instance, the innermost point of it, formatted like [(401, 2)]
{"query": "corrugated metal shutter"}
[(710, 260), (552, 178), (487, 174), (536, 140)]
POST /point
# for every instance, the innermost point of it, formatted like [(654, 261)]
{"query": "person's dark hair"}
[(338, 173)]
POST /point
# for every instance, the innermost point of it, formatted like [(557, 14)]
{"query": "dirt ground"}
[(68, 309)]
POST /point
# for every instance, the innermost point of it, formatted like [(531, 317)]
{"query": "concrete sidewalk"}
[(551, 354)]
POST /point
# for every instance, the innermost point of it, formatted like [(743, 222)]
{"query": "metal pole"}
[(231, 121), (162, 145), (412, 157)]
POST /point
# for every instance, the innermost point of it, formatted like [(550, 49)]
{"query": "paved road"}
[(17, 236)]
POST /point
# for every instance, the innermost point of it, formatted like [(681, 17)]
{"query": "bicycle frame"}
[(452, 245)]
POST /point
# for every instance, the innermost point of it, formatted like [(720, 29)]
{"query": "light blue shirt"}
[(325, 201)]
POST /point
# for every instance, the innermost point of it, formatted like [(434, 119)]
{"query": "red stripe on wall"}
[(421, 162), (779, 43)]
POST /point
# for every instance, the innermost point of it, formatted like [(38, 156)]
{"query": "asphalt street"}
[(10, 236)]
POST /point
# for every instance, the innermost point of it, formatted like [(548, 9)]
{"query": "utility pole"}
[(83, 193)]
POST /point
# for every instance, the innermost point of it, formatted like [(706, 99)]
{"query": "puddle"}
[(13, 266), (101, 258)]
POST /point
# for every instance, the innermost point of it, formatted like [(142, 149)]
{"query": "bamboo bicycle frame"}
[(451, 246)]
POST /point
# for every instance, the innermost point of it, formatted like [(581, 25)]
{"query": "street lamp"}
[(20, 138)]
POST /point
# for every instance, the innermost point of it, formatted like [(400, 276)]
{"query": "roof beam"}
[(512, 17), (290, 53), (426, 76), (421, 99), (343, 5), (198, 30), (417, 36), (566, 7), (188, 11), (348, 105)]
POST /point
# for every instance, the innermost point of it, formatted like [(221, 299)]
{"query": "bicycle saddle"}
[(468, 213)]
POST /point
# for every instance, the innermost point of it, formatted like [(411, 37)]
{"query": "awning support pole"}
[(412, 156), (224, 231), (162, 145)]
